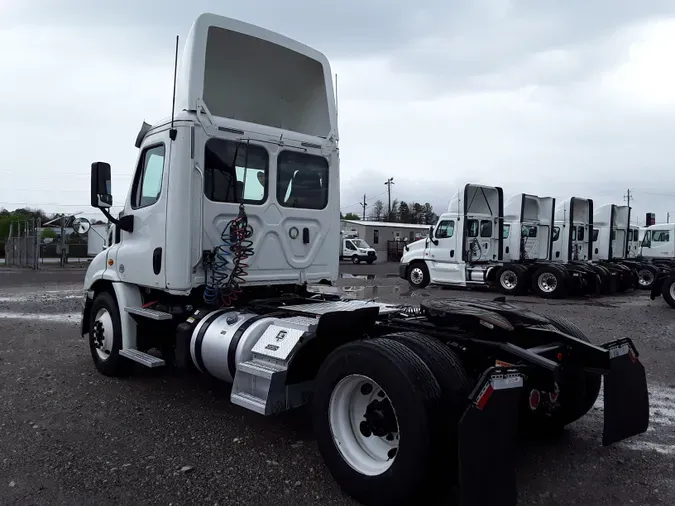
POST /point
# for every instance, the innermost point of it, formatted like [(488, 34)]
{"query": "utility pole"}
[(364, 205), (388, 184), (62, 262), (668, 217), (627, 197)]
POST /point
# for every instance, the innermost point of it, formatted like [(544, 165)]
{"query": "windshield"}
[(359, 243)]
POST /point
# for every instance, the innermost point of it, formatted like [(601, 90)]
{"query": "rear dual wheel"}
[(579, 390), (512, 279), (549, 282), (668, 290), (379, 419)]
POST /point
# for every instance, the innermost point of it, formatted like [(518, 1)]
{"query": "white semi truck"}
[(232, 215), (514, 247), (657, 251), (615, 246)]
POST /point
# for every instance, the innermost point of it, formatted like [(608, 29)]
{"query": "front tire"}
[(356, 259), (418, 275), (646, 277), (105, 336), (368, 394)]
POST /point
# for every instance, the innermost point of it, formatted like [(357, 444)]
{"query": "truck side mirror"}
[(101, 194)]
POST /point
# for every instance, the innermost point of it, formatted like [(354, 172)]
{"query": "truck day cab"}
[(657, 248), (232, 216)]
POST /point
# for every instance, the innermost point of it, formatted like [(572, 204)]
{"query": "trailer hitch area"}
[(487, 437), (626, 396)]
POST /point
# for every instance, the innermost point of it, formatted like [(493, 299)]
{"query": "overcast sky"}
[(554, 98)]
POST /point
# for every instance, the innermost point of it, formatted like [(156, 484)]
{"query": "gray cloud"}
[(501, 92)]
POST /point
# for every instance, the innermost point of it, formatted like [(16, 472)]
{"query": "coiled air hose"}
[(227, 267)]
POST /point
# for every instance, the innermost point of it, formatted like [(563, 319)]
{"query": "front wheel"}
[(356, 259), (646, 277), (372, 414), (418, 275), (105, 336)]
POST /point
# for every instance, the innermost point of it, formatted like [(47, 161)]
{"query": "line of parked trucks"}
[(535, 244)]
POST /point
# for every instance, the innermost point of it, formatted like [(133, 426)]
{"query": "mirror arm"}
[(125, 223)]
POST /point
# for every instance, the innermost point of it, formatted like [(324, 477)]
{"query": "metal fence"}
[(22, 246)]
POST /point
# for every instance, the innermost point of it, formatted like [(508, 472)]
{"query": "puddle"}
[(357, 292), (55, 317), (344, 275), (39, 297)]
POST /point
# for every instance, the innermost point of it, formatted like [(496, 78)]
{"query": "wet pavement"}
[(71, 436)]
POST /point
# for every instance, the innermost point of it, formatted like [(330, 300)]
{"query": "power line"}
[(361, 203)]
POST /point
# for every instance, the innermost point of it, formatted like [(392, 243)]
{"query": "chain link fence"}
[(22, 246)]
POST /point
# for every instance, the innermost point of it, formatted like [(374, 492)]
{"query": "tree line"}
[(401, 212)]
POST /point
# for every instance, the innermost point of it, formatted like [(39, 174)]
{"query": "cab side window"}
[(556, 233), (350, 245), (660, 236), (445, 229), (148, 180)]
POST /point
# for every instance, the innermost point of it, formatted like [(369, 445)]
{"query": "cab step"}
[(250, 402), (150, 314), (142, 358)]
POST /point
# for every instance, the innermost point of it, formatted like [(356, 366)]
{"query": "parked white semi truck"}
[(657, 250), (232, 215), (613, 241), (513, 247)]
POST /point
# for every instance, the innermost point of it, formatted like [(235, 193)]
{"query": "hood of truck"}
[(414, 251)]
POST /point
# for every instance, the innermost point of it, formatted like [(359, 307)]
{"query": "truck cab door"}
[(443, 254), (349, 248), (141, 255)]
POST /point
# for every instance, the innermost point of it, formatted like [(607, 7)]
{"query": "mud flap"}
[(657, 285), (487, 440), (626, 395)]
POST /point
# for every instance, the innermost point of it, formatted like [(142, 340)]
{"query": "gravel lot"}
[(71, 436)]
